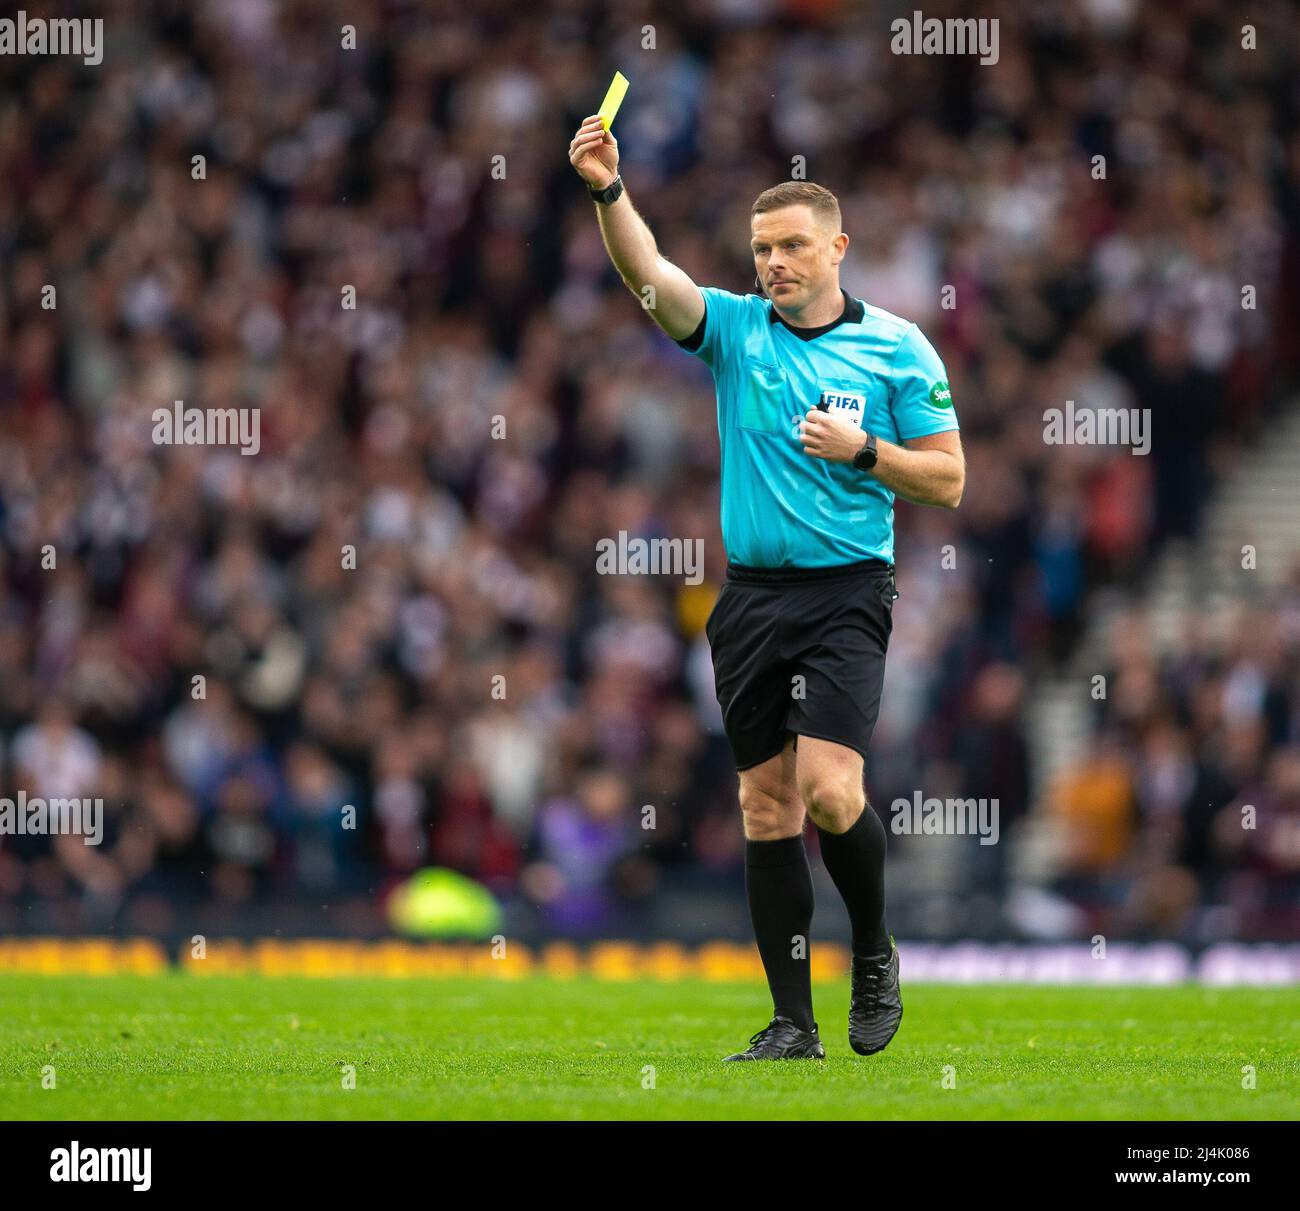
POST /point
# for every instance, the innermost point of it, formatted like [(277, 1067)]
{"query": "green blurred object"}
[(439, 903)]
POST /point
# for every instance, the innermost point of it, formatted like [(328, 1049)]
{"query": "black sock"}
[(778, 884), (855, 861)]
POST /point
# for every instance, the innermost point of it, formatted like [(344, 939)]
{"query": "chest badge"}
[(851, 405)]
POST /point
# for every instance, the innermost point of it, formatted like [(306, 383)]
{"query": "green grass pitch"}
[(177, 1046)]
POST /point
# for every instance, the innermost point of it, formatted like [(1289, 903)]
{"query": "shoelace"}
[(761, 1036), (867, 982)]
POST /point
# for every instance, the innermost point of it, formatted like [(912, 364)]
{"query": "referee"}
[(827, 409)]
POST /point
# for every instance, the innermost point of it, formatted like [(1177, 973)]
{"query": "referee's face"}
[(796, 257)]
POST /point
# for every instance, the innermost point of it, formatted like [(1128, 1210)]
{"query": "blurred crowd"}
[(1183, 817), (381, 642)]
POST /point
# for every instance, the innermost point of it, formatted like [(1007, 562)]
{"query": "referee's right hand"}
[(594, 153)]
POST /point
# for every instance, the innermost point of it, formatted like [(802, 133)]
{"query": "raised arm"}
[(674, 302)]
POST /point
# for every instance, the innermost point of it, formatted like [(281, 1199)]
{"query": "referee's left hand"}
[(830, 437)]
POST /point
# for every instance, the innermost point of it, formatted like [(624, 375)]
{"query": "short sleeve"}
[(922, 401), (722, 323)]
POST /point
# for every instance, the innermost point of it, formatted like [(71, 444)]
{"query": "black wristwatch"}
[(865, 458), (611, 193)]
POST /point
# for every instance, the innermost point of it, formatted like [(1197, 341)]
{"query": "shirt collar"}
[(853, 313)]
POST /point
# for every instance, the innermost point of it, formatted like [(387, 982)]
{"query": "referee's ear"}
[(758, 285)]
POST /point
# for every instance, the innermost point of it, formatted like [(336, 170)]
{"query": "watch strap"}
[(611, 193)]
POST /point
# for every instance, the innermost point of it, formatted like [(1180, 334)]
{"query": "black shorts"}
[(827, 626)]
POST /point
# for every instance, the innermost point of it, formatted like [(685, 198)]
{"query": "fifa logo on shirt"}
[(851, 405)]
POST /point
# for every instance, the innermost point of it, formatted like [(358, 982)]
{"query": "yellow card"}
[(613, 99)]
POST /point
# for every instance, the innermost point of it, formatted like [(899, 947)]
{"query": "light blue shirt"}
[(780, 506)]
